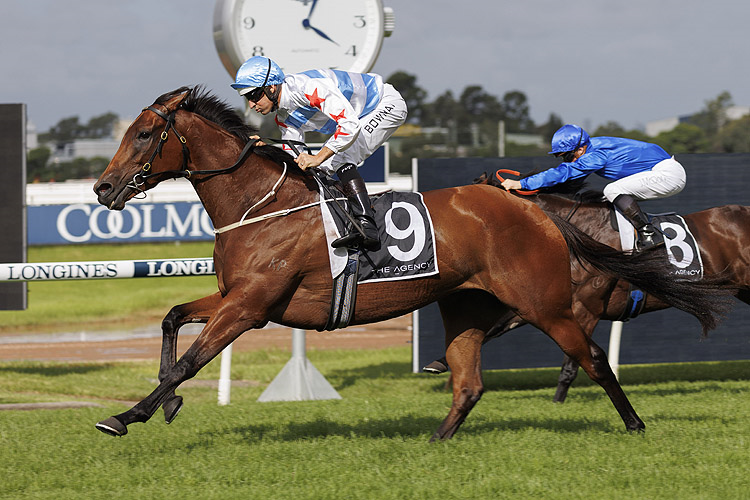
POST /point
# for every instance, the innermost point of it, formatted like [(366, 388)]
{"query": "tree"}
[(36, 162), (478, 116), (684, 138), (547, 130), (70, 129), (479, 105), (609, 129), (444, 111), (413, 94), (100, 126), (614, 129), (734, 137), (66, 130), (515, 110), (714, 115)]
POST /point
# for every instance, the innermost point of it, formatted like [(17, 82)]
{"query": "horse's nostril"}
[(102, 188)]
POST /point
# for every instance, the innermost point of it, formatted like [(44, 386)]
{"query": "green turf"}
[(373, 443)]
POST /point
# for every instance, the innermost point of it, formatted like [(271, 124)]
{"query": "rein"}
[(576, 206)]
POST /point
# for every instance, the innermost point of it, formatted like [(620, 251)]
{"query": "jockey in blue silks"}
[(639, 171)]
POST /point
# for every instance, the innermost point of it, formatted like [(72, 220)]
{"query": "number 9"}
[(415, 227)]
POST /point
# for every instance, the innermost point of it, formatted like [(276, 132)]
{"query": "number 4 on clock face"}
[(302, 34)]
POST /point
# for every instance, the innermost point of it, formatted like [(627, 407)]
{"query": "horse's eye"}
[(144, 135)]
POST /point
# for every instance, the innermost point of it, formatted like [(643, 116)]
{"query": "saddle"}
[(407, 249)]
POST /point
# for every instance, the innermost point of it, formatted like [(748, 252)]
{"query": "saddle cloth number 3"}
[(677, 241)]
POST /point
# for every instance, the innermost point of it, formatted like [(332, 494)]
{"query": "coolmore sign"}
[(138, 222)]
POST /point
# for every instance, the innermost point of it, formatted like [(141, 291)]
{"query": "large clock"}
[(302, 34)]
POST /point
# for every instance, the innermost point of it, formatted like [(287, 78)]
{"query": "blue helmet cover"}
[(567, 138), (257, 71)]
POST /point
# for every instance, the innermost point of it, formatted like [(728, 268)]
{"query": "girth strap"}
[(344, 294)]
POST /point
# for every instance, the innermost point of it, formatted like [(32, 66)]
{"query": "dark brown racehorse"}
[(277, 269), (723, 234)]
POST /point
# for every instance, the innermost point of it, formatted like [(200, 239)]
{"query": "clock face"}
[(300, 34)]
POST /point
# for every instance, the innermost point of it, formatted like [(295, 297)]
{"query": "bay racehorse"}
[(722, 233), (496, 253)]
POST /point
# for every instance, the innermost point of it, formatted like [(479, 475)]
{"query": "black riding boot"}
[(359, 202), (648, 236)]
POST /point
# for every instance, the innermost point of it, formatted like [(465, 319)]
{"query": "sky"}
[(588, 61)]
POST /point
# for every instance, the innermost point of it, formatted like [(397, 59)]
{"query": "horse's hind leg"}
[(568, 373), (197, 311), (466, 320), (569, 369), (570, 337)]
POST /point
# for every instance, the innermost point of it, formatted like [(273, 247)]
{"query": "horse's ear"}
[(185, 96), (482, 179), (176, 98)]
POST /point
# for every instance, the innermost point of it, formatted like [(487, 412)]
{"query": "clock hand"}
[(312, 8), (306, 24)]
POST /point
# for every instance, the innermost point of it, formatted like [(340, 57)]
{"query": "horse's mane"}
[(203, 103)]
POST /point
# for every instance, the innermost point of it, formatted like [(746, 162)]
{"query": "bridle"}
[(145, 174)]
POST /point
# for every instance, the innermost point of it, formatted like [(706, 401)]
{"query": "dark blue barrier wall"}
[(664, 336)]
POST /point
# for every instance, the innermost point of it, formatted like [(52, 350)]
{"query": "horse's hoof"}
[(636, 427), (113, 427), (172, 408), (436, 367)]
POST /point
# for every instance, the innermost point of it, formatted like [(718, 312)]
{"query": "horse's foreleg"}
[(221, 330), (197, 311), (593, 360)]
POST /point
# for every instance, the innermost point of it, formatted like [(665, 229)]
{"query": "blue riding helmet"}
[(569, 138), (257, 72)]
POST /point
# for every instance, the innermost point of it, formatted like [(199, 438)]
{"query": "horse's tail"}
[(708, 300)]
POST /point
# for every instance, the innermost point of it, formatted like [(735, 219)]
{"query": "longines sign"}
[(51, 271), (138, 222)]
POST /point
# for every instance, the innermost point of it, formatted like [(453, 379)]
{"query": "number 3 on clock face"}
[(301, 34)]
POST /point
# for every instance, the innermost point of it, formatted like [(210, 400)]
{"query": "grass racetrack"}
[(372, 444)]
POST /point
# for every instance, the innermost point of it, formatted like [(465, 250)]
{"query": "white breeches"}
[(667, 178), (376, 128)]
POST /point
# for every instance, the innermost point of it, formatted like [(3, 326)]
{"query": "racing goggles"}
[(255, 94)]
